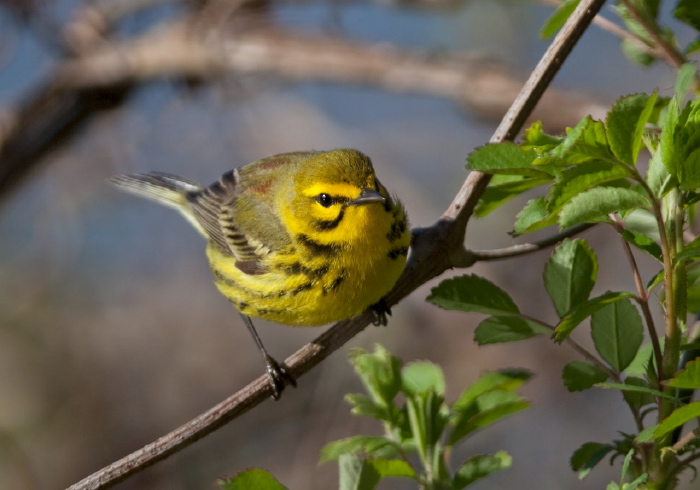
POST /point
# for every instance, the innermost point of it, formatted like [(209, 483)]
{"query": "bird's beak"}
[(367, 196)]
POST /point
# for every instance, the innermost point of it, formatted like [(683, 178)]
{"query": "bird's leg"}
[(380, 310), (276, 372)]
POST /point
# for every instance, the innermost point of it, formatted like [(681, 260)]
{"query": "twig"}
[(428, 259), (526, 248), (642, 296)]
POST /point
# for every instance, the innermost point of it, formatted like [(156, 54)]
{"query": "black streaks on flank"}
[(395, 253), (318, 248), (296, 269), (302, 288), (335, 284), (398, 228)]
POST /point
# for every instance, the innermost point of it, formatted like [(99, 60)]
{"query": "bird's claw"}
[(279, 377), (380, 310)]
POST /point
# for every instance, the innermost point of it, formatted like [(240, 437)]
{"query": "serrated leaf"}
[(422, 376), (480, 466), (625, 125), (581, 375), (355, 473), (595, 205), (497, 194), (498, 329), (617, 332), (501, 380), (534, 138), (533, 217), (688, 378), (504, 158), (472, 293), (558, 18), (251, 479), (570, 274), (392, 468), (575, 180), (574, 317), (644, 243), (667, 145), (677, 418), (638, 389), (589, 455), (484, 411), (354, 444)]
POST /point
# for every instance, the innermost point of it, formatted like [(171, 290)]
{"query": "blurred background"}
[(111, 330)]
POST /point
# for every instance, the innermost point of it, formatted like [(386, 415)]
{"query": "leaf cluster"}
[(409, 401)]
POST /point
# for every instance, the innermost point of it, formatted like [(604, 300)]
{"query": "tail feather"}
[(165, 188)]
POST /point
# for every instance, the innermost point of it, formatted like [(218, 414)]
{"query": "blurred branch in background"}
[(98, 71)]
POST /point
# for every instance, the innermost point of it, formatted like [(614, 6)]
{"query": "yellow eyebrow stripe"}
[(341, 190)]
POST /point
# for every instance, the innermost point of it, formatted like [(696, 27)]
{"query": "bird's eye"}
[(324, 200)]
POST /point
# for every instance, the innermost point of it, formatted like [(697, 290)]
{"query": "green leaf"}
[(422, 376), (501, 380), (588, 455), (497, 194), (585, 142), (380, 373), (617, 332), (498, 329), (647, 434), (472, 293), (483, 411), (638, 389), (504, 158), (677, 418), (558, 18), (251, 479), (637, 52), (534, 138), (365, 406), (355, 473), (426, 420), (533, 217), (688, 378), (575, 180), (581, 375), (658, 178), (392, 468), (570, 274), (693, 290), (687, 11), (579, 313), (637, 399), (354, 444), (644, 243), (625, 125), (667, 145), (480, 466), (595, 205), (686, 75), (638, 366)]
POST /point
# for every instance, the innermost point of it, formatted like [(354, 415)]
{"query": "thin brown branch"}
[(427, 260), (642, 296), (526, 248)]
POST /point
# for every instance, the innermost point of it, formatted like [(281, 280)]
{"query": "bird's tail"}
[(165, 188)]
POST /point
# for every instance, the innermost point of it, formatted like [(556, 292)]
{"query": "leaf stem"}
[(642, 297)]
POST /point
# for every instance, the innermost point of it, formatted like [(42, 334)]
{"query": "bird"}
[(303, 238)]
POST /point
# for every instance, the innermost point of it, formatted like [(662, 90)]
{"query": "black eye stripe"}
[(326, 200)]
